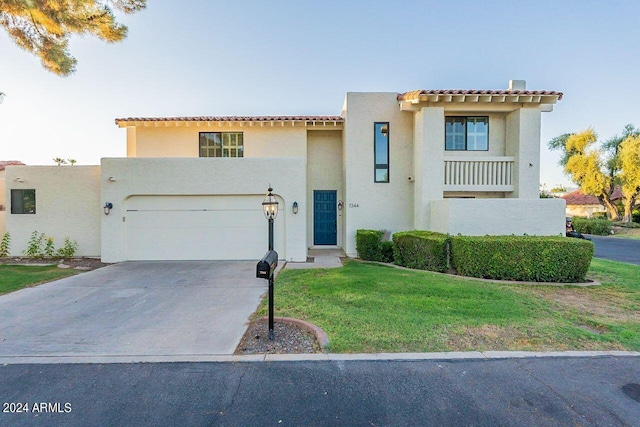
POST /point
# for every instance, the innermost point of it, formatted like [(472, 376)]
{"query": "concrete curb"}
[(321, 336), (315, 357)]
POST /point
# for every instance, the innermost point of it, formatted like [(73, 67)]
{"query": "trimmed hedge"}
[(423, 250), (524, 258), (370, 246), (598, 227)]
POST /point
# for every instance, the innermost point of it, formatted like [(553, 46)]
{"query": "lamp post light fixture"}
[(107, 208), (270, 209)]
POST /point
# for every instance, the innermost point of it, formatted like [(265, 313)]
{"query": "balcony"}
[(478, 174)]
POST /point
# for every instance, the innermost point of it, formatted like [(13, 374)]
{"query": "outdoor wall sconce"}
[(295, 208), (107, 208), (112, 179), (19, 180), (340, 205)]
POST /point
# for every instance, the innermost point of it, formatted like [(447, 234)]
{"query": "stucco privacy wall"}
[(203, 176), (479, 217), (67, 205), (324, 172), (4, 203), (260, 139), (368, 204)]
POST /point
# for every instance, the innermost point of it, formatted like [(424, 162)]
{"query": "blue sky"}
[(301, 57)]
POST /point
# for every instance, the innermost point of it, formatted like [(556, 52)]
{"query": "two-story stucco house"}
[(453, 161)]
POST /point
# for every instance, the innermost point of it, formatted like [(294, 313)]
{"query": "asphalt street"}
[(499, 392), (617, 249)]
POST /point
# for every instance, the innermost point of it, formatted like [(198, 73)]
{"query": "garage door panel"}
[(173, 228)]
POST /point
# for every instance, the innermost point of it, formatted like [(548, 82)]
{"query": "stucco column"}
[(523, 143), (429, 163)]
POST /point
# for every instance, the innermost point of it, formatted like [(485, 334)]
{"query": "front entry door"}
[(325, 229)]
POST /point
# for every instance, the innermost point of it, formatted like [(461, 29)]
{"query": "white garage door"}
[(199, 228)]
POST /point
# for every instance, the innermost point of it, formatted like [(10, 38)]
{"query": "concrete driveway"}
[(184, 308)]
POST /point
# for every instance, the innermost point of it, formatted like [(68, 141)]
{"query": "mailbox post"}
[(267, 265)]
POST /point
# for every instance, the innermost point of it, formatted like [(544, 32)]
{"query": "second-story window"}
[(381, 151), (221, 144), (466, 133)]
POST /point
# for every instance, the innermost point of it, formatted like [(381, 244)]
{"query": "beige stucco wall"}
[(523, 143), (67, 205), (585, 211), (324, 172), (477, 217), (200, 176), (260, 139), (368, 204), (4, 203)]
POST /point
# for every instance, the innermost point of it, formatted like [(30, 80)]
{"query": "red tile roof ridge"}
[(232, 119), (5, 163), (577, 197)]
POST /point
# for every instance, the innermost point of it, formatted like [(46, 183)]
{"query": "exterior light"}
[(107, 208), (19, 179), (270, 205), (340, 205), (112, 179), (295, 208)]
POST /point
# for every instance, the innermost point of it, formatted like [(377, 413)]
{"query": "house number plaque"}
[(354, 205)]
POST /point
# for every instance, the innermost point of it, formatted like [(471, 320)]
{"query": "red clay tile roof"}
[(234, 119), (416, 93), (5, 163), (578, 198)]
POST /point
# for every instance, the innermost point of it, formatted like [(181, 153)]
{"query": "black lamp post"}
[(270, 209)]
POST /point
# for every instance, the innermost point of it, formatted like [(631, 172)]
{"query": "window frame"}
[(466, 145), (238, 147), (381, 166), (14, 210)]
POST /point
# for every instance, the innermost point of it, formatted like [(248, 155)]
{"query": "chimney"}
[(517, 85)]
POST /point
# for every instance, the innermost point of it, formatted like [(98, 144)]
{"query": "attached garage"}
[(211, 227)]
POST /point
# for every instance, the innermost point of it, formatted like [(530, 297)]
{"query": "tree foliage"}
[(629, 161), (43, 27), (597, 170)]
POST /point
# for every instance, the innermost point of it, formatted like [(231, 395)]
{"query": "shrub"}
[(49, 250), (386, 251), (635, 216), (68, 249), (34, 246), (423, 250), (598, 227), (525, 258), (5, 245)]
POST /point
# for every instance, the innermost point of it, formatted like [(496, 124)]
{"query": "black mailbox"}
[(267, 265)]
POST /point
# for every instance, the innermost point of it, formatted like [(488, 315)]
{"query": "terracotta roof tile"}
[(578, 198), (416, 93), (5, 163), (233, 119)]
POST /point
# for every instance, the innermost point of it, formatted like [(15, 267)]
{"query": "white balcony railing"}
[(478, 174)]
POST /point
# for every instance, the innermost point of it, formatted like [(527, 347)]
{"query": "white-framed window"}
[(466, 133), (381, 152), (221, 144)]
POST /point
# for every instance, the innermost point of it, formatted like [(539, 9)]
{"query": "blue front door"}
[(324, 217)]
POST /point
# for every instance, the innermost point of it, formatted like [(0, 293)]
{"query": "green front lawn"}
[(14, 277), (375, 308)]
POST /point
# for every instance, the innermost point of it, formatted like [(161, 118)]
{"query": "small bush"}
[(635, 216), (5, 245), (49, 250), (68, 249), (386, 251), (423, 250), (598, 227), (34, 246), (524, 258)]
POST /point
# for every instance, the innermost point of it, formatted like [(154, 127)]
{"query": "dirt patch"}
[(288, 339), (75, 263), (603, 306), (485, 337)]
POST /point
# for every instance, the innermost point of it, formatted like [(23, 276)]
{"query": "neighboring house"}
[(453, 161), (3, 202), (585, 205)]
